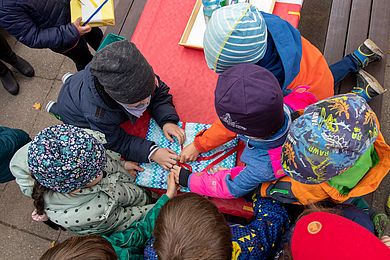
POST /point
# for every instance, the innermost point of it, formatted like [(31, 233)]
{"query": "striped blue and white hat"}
[(235, 34)]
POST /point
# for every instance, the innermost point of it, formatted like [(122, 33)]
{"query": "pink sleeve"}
[(213, 185)]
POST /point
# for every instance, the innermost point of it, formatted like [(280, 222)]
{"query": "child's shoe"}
[(66, 76), (367, 52), (367, 86)]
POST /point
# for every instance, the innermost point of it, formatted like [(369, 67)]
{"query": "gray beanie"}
[(124, 72)]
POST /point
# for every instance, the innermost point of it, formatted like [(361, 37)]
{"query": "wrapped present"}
[(93, 12), (154, 176)]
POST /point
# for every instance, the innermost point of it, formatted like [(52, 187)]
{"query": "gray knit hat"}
[(124, 72)]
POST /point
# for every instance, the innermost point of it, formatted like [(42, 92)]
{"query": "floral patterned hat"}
[(64, 158), (328, 138)]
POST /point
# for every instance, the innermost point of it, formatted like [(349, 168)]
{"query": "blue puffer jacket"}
[(83, 103), (39, 23)]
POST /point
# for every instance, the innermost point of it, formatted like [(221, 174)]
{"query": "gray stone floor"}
[(20, 237)]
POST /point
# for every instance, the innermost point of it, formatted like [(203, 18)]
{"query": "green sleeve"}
[(131, 241)]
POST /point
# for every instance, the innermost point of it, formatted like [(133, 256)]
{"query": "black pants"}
[(6, 54), (80, 54)]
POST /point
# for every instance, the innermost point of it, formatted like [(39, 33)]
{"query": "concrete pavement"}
[(22, 238)]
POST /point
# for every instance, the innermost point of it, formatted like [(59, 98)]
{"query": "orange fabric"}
[(215, 136), (311, 193), (314, 72)]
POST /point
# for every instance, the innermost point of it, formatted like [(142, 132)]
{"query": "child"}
[(249, 102), (323, 235), (46, 24), (283, 50), (78, 184), (7, 78), (119, 85), (240, 33), (128, 244), (10, 141), (191, 227), (334, 151)]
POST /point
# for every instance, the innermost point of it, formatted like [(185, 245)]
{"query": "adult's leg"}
[(342, 68), (7, 55), (80, 54), (94, 37)]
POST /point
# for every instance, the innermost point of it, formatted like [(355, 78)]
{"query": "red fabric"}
[(184, 70), (283, 9), (322, 235)]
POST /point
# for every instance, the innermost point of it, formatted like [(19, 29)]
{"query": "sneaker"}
[(66, 76), (367, 52), (10, 83), (49, 105), (367, 86), (23, 67)]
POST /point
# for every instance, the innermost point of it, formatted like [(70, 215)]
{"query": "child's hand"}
[(386, 241), (171, 129), (81, 29), (189, 153), (132, 168), (217, 169), (176, 172), (172, 186), (165, 157)]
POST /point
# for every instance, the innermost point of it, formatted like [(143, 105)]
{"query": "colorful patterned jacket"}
[(257, 240), (262, 157), (377, 167)]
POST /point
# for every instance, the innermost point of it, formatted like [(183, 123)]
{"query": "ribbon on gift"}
[(226, 153), (95, 12)]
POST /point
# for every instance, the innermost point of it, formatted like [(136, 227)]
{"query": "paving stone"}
[(17, 111), (45, 62), (16, 244), (43, 118), (18, 213)]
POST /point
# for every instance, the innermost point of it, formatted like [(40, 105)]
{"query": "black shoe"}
[(23, 67), (367, 52), (10, 83)]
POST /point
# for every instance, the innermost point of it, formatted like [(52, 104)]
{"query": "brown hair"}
[(39, 203), (79, 248), (191, 227)]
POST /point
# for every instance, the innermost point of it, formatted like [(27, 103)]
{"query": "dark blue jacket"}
[(39, 23), (10, 141), (84, 103)]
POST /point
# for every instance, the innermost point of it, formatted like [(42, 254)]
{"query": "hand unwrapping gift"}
[(172, 130), (189, 154), (165, 157)]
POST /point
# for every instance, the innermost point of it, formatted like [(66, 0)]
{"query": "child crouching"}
[(191, 227), (127, 244), (76, 183)]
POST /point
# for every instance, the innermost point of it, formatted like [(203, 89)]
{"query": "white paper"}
[(87, 9), (195, 38)]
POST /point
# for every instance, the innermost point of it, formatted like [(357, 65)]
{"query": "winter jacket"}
[(40, 23), (85, 104), (10, 141), (288, 190), (257, 240), (130, 243), (262, 157), (113, 204), (302, 63)]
